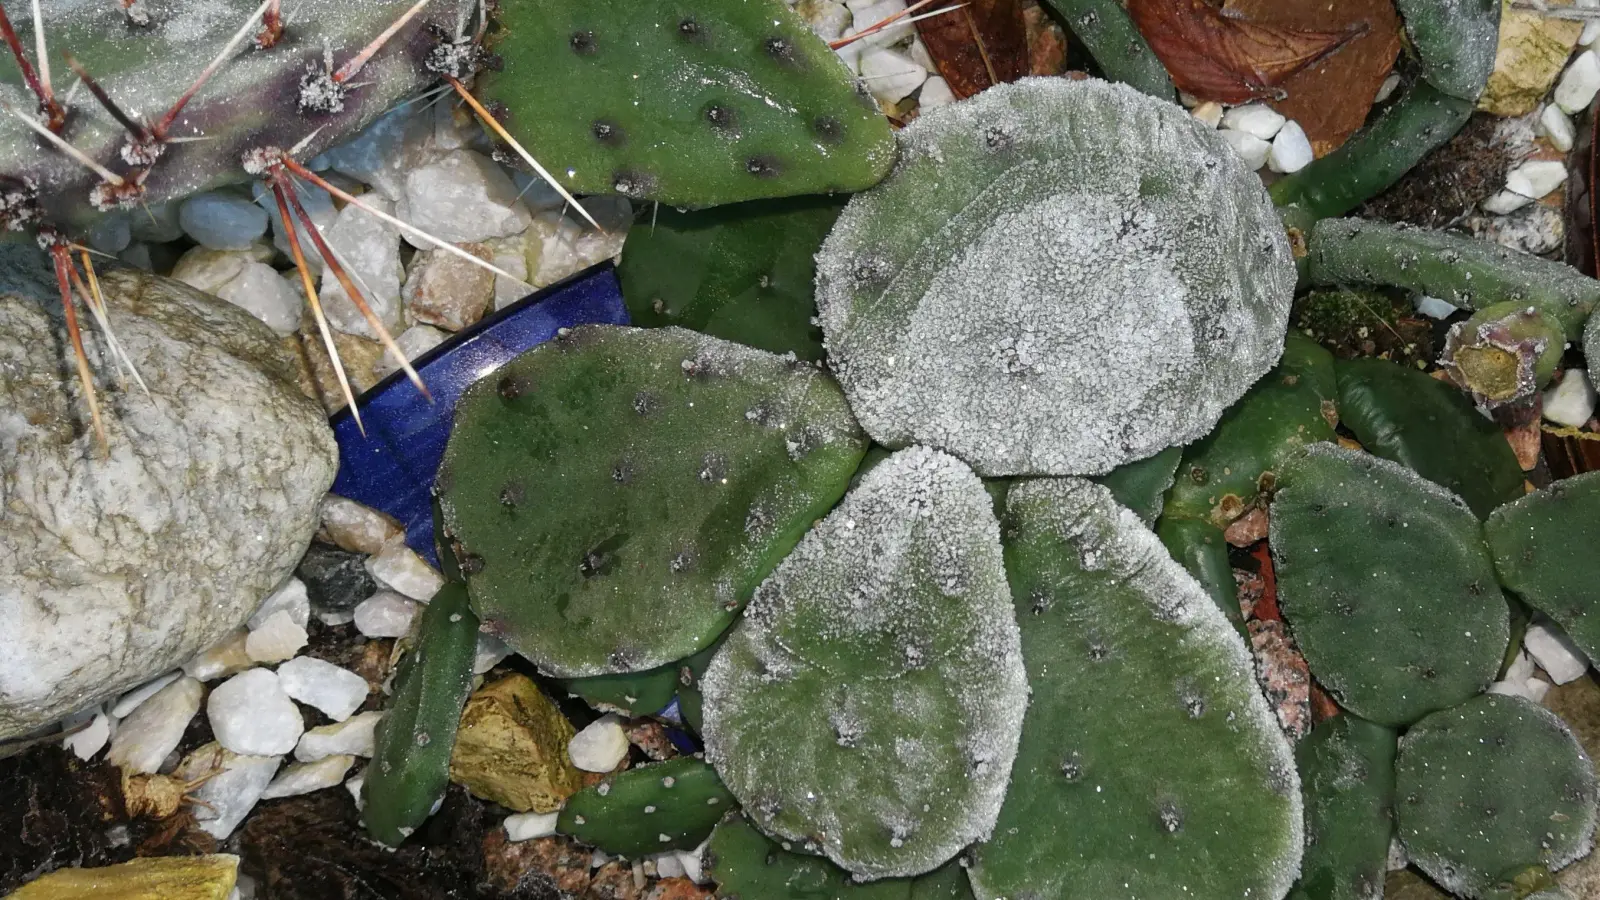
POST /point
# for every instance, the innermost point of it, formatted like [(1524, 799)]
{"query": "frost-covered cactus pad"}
[(616, 494), (1387, 583), (1150, 765), (695, 104), (1490, 789), (1059, 277), (868, 705)]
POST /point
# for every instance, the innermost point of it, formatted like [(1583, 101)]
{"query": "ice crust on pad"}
[(1058, 278), (1149, 760), (888, 641)]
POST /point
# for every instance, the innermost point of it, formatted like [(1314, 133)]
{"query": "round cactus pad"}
[(1058, 278), (616, 494)]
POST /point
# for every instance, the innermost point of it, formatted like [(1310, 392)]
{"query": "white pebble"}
[(1578, 84), (222, 221), (399, 568), (369, 250), (527, 826), (1256, 119), (279, 638), (1505, 202), (1208, 113), (226, 797), (130, 701), (289, 597), (1251, 149), (691, 862), (1570, 401), (1537, 688), (1434, 308), (355, 526), (1536, 178), (354, 787), (827, 19), (226, 658), (85, 743), (259, 290), (333, 618), (1554, 652), (600, 746), (489, 653), (1554, 124), (353, 737), (1387, 88), (935, 93), (152, 731), (385, 614), (319, 683), (462, 196), (1291, 149), (1523, 688), (1521, 668), (305, 777), (867, 15), (891, 76), (668, 865), (251, 715)]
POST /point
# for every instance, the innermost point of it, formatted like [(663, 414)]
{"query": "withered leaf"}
[(981, 44), (1215, 55)]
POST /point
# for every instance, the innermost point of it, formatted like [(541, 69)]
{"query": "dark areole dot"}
[(721, 117), (781, 50), (764, 166), (827, 129), (690, 30), (607, 132), (583, 43)]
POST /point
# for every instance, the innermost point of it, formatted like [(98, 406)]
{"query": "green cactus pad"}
[(254, 100), (1142, 486), (743, 273), (1544, 549), (666, 806), (948, 882), (616, 494), (1489, 789), (632, 693), (868, 705), (1233, 467), (1202, 549), (1431, 428), (1455, 41), (1347, 774), (1060, 277), (1387, 583), (1150, 765), (693, 104), (747, 866)]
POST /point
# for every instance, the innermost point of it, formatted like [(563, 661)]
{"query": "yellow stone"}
[(512, 748), (1533, 50), (151, 878)]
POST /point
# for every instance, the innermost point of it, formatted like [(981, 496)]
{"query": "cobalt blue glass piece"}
[(391, 467)]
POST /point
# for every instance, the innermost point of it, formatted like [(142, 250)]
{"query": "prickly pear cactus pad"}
[(650, 809), (1059, 277), (747, 866), (1148, 758), (1543, 547), (616, 494), (1347, 772), (693, 104), (1489, 789), (1387, 583), (887, 642), (254, 100)]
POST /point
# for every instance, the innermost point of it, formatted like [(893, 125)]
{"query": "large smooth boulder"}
[(115, 568)]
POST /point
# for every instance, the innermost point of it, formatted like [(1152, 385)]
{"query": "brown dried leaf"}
[(1331, 98), (982, 44), (1215, 55)]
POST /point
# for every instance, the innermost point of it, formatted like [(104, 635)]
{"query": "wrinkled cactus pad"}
[(1387, 583), (742, 273), (616, 494), (746, 866), (868, 705), (1149, 758), (1544, 549), (671, 805), (1489, 789), (693, 104), (1059, 277), (1347, 774)]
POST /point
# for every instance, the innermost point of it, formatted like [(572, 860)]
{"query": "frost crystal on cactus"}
[(1099, 274)]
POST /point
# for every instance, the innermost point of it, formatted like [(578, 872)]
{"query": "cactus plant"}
[(1347, 774), (948, 882), (616, 494), (742, 273), (977, 300), (746, 865), (1387, 583), (412, 745), (1543, 547), (1422, 423), (1118, 48), (1142, 486), (1492, 789), (671, 805), (1129, 661), (887, 641), (692, 104)]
